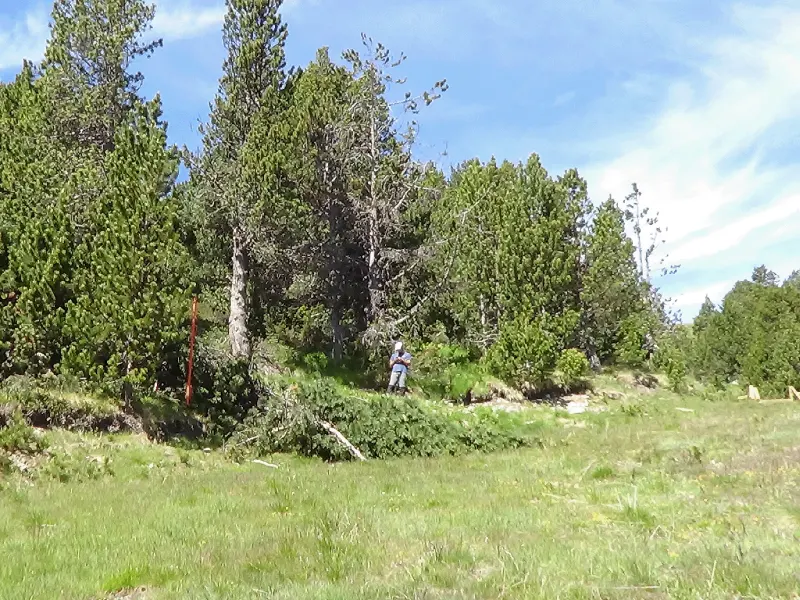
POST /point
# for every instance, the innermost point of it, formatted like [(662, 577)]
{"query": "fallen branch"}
[(341, 439), (266, 464)]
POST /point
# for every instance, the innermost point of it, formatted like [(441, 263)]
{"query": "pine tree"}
[(385, 179), (705, 317), (469, 220), (611, 287), (360, 193), (517, 237), (763, 276), (793, 279), (74, 234), (538, 271), (235, 176), (87, 67), (707, 357), (131, 281), (324, 183), (36, 235), (752, 338)]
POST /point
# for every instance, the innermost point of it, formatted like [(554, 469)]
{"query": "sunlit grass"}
[(645, 502)]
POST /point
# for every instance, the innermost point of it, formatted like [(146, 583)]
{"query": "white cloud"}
[(743, 95), (735, 233), (26, 37), (176, 22), (23, 40), (693, 297), (696, 296)]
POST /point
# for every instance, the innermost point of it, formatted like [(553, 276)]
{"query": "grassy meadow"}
[(657, 496)]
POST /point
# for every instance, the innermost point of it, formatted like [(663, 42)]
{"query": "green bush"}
[(316, 362), (629, 349), (461, 380), (224, 393), (488, 431), (65, 467), (671, 359), (17, 436), (572, 367), (675, 367), (435, 358), (288, 420), (715, 394), (447, 371), (525, 351)]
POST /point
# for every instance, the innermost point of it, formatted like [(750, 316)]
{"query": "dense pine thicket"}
[(752, 337), (307, 223)]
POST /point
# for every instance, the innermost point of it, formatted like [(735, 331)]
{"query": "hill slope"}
[(657, 497)]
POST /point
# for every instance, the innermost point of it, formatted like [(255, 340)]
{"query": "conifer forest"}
[(314, 238)]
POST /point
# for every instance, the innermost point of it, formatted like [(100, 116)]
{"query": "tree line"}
[(306, 219), (752, 337)]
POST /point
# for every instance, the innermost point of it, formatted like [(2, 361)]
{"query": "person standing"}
[(399, 363)]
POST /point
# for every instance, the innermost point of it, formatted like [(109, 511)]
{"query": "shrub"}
[(65, 467), (224, 393), (572, 367), (525, 351), (436, 358), (288, 420), (714, 394), (18, 436), (447, 371), (675, 368), (461, 380), (316, 362), (629, 349), (671, 358), (488, 431)]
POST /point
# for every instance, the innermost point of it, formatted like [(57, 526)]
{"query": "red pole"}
[(191, 353)]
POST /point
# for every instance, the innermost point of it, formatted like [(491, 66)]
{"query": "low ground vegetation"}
[(655, 496)]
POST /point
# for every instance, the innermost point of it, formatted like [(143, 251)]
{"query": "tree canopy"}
[(308, 220)]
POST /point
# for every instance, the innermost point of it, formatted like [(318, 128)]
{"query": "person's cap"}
[(398, 346)]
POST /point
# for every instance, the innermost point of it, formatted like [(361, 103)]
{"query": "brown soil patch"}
[(134, 594)]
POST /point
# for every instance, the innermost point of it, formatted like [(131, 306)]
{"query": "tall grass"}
[(647, 503)]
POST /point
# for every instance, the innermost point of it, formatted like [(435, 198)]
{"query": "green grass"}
[(641, 501)]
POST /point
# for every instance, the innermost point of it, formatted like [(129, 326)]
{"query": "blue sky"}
[(696, 101)]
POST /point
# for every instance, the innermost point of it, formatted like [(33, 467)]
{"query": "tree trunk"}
[(484, 324), (373, 287), (374, 245), (338, 336), (237, 322), (127, 387)]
